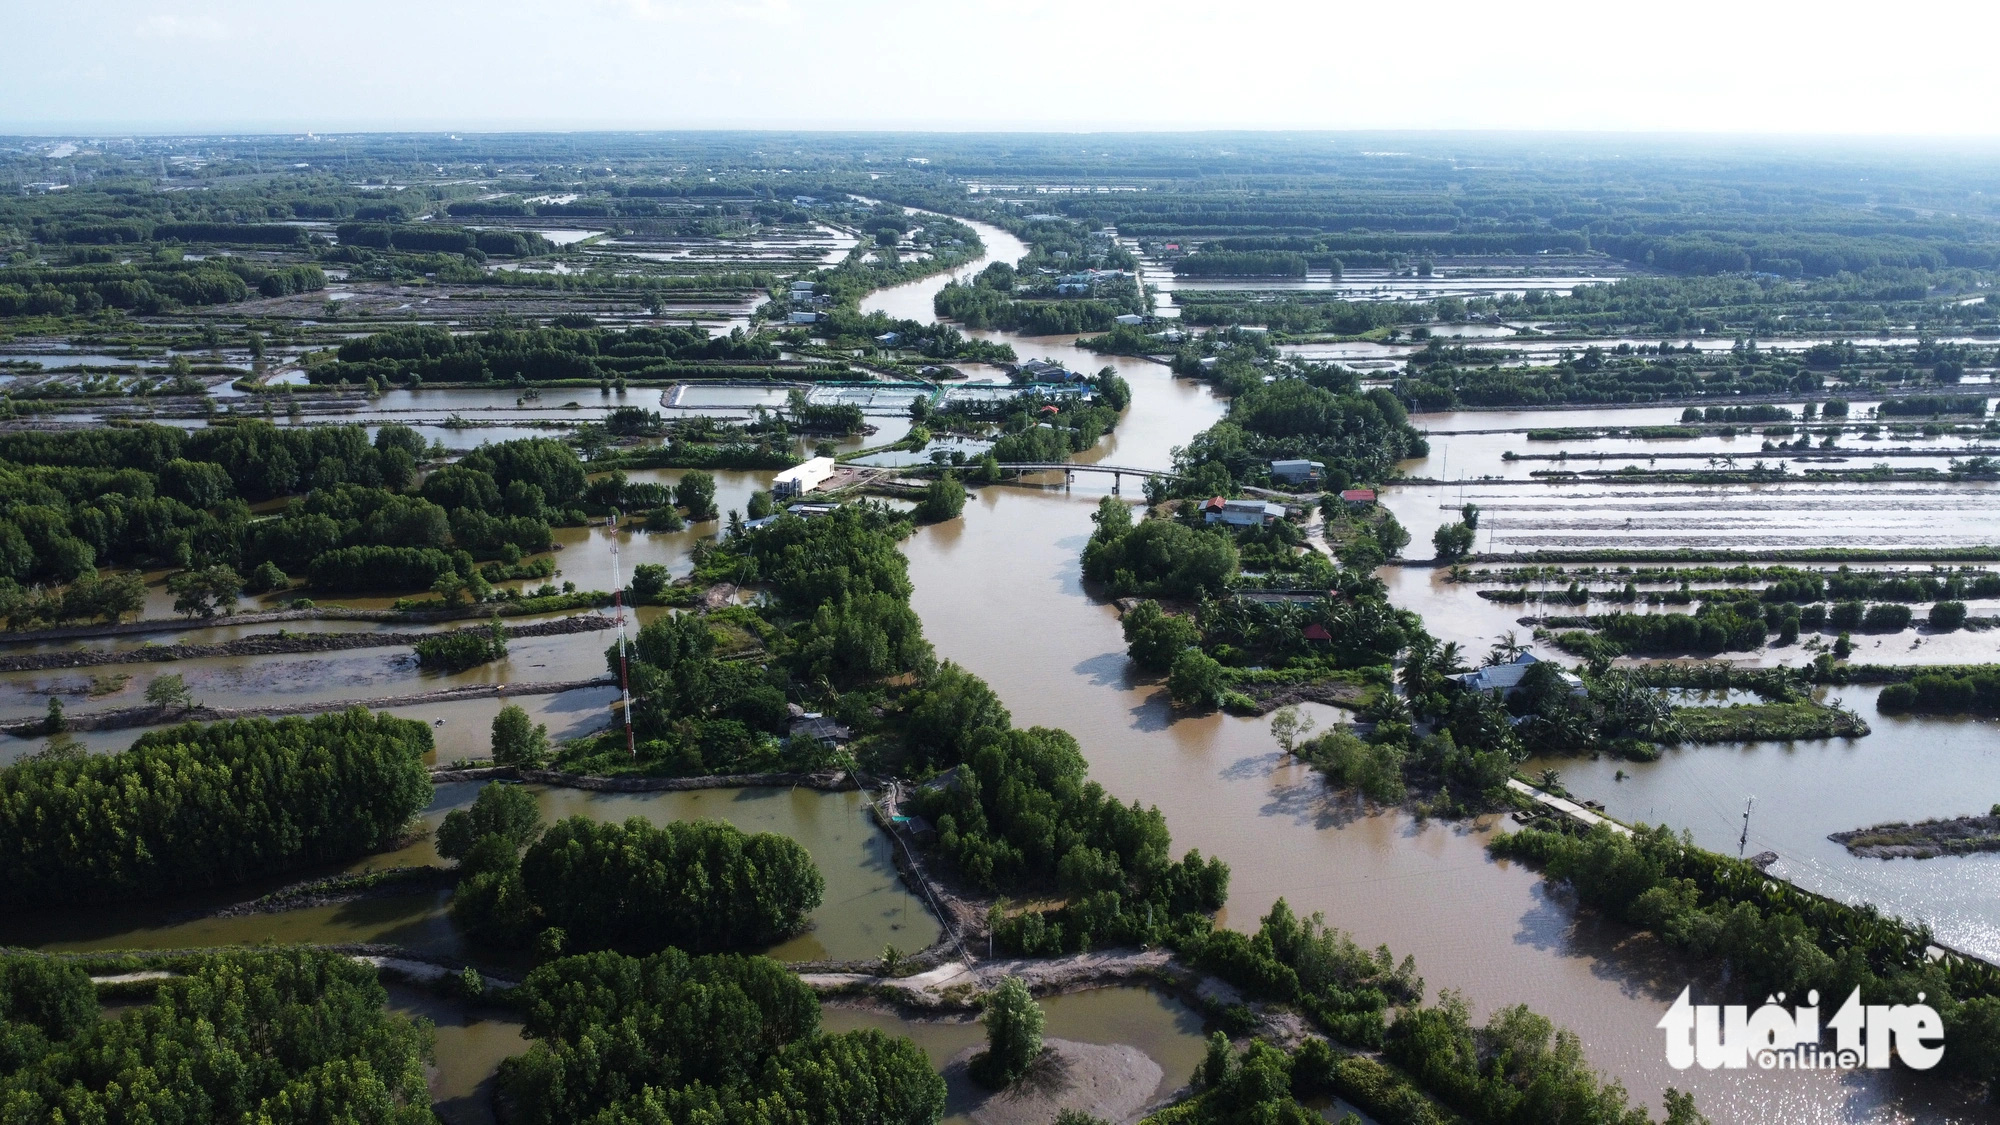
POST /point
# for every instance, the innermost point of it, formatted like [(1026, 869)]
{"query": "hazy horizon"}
[(1715, 69)]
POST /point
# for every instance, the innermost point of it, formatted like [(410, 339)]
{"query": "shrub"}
[(1195, 680), (1013, 1034), (1946, 617), (460, 649), (1155, 638), (516, 740), (1885, 618)]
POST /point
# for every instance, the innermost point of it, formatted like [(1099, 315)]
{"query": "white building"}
[(1129, 318), (801, 479), (1296, 472)]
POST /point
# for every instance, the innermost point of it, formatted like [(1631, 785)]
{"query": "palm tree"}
[(1551, 781), (1506, 650), (1450, 660), (1418, 665)]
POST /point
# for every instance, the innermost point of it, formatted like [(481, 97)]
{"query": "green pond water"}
[(865, 909)]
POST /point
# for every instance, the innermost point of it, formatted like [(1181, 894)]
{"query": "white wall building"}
[(801, 479)]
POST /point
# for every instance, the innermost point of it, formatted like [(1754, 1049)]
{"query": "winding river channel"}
[(999, 591)]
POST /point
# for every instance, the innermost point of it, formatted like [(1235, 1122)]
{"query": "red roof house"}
[(1358, 495), (1317, 632)]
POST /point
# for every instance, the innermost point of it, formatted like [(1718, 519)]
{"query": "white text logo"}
[(1865, 1035)]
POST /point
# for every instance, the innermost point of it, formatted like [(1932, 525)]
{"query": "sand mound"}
[(1115, 1083)]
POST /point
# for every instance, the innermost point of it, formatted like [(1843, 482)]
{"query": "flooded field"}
[(821, 245), (1909, 769), (1493, 930), (999, 592), (316, 677), (1745, 517), (1540, 349)]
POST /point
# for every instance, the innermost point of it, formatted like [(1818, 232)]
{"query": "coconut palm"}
[(1506, 650)]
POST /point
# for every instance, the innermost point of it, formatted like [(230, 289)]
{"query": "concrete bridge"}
[(1118, 472)]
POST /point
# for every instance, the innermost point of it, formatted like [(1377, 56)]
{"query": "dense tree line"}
[(978, 307), (236, 234), (156, 496), (1944, 692), (1156, 557), (843, 327), (702, 886), (440, 238), (182, 503), (619, 1040), (1032, 434), (1019, 816), (209, 805), (1271, 638), (1924, 406), (274, 1036), (534, 354), (1343, 988), (1316, 414), (844, 582), (695, 713), (1717, 626), (1773, 937), (148, 288), (1442, 378), (1242, 263)]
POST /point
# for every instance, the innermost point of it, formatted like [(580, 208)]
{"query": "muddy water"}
[(912, 300), (471, 1043), (1166, 1030), (999, 592), (460, 730), (1910, 768), (866, 906), (231, 681)]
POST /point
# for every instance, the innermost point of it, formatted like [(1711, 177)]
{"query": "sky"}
[(1918, 67)]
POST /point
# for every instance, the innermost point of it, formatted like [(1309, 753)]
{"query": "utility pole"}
[(624, 673), (1743, 841)]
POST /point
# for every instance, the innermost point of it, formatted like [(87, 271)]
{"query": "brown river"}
[(999, 591)]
